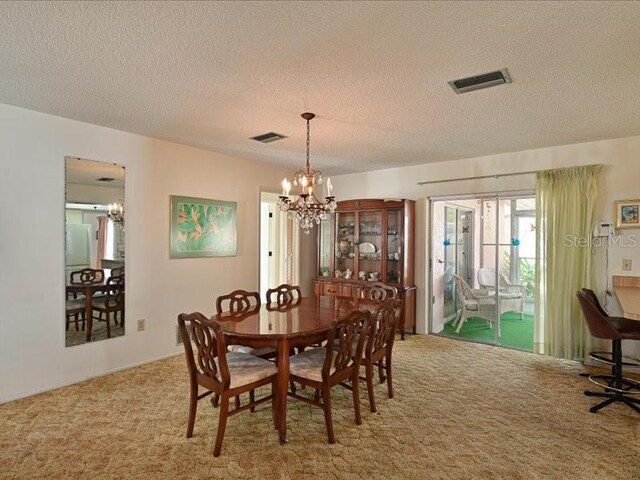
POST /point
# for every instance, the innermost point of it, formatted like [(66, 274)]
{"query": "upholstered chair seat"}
[(308, 364), (245, 368)]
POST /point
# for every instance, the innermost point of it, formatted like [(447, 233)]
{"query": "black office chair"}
[(616, 329)]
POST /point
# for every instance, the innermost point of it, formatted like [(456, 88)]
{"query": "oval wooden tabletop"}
[(312, 315)]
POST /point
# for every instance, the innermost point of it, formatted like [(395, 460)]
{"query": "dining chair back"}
[(237, 302), (284, 295), (86, 276), (379, 291), (226, 374)]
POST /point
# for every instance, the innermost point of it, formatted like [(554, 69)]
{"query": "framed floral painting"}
[(627, 213), (202, 228)]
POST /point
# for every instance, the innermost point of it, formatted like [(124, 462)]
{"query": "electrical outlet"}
[(626, 264), (141, 324)]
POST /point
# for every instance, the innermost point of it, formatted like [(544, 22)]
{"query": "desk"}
[(303, 324), (627, 291)]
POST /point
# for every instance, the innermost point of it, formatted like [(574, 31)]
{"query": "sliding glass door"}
[(483, 258)]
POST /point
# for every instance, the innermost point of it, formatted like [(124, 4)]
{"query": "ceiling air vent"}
[(105, 179), (480, 81), (268, 137)]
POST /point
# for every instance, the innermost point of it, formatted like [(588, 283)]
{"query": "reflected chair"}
[(87, 276), (378, 346), (283, 296), (117, 272), (226, 374), (75, 312), (111, 303), (616, 329), (325, 367)]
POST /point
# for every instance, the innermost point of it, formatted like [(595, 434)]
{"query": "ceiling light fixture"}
[(306, 209)]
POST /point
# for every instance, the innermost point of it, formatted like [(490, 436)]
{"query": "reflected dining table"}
[(88, 290), (299, 325)]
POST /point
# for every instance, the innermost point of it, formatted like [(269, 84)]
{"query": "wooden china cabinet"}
[(369, 241)]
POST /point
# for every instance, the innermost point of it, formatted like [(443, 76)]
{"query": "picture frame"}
[(627, 213), (201, 227)]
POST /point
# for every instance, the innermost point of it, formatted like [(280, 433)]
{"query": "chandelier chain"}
[(308, 143)]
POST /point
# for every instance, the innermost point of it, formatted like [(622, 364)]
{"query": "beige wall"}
[(620, 180), (32, 353)]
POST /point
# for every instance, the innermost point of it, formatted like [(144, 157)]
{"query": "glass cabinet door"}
[(344, 245), (394, 246), (325, 246), (370, 246)]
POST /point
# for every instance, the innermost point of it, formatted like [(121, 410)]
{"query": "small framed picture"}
[(627, 213)]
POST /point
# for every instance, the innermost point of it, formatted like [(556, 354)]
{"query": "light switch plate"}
[(141, 324), (626, 264)]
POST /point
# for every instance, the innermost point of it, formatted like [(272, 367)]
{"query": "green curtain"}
[(565, 205)]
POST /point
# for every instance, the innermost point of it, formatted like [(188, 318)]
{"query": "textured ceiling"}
[(214, 74)]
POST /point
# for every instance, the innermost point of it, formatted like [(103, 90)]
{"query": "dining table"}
[(89, 290), (301, 324)]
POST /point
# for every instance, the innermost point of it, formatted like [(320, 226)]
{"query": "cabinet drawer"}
[(336, 289)]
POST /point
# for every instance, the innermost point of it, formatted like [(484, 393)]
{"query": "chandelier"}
[(306, 209), (116, 212)]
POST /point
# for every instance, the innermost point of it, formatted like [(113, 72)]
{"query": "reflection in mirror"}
[(94, 250)]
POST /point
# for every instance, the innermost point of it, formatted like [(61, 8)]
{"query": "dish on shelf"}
[(366, 248)]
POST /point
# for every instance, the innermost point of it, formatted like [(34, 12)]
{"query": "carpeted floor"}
[(515, 332), (462, 411)]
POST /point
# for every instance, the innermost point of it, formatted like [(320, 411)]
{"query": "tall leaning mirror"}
[(94, 271)]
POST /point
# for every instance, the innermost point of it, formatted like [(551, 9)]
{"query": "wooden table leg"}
[(283, 386), (88, 312)]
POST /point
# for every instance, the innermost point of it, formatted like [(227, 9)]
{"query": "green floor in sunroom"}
[(515, 333)]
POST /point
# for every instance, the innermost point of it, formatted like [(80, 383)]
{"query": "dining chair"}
[(227, 374), (111, 303), (379, 346), (237, 302), (284, 295), (379, 292), (325, 367)]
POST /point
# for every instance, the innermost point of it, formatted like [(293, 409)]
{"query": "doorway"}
[(478, 244), (278, 246)]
